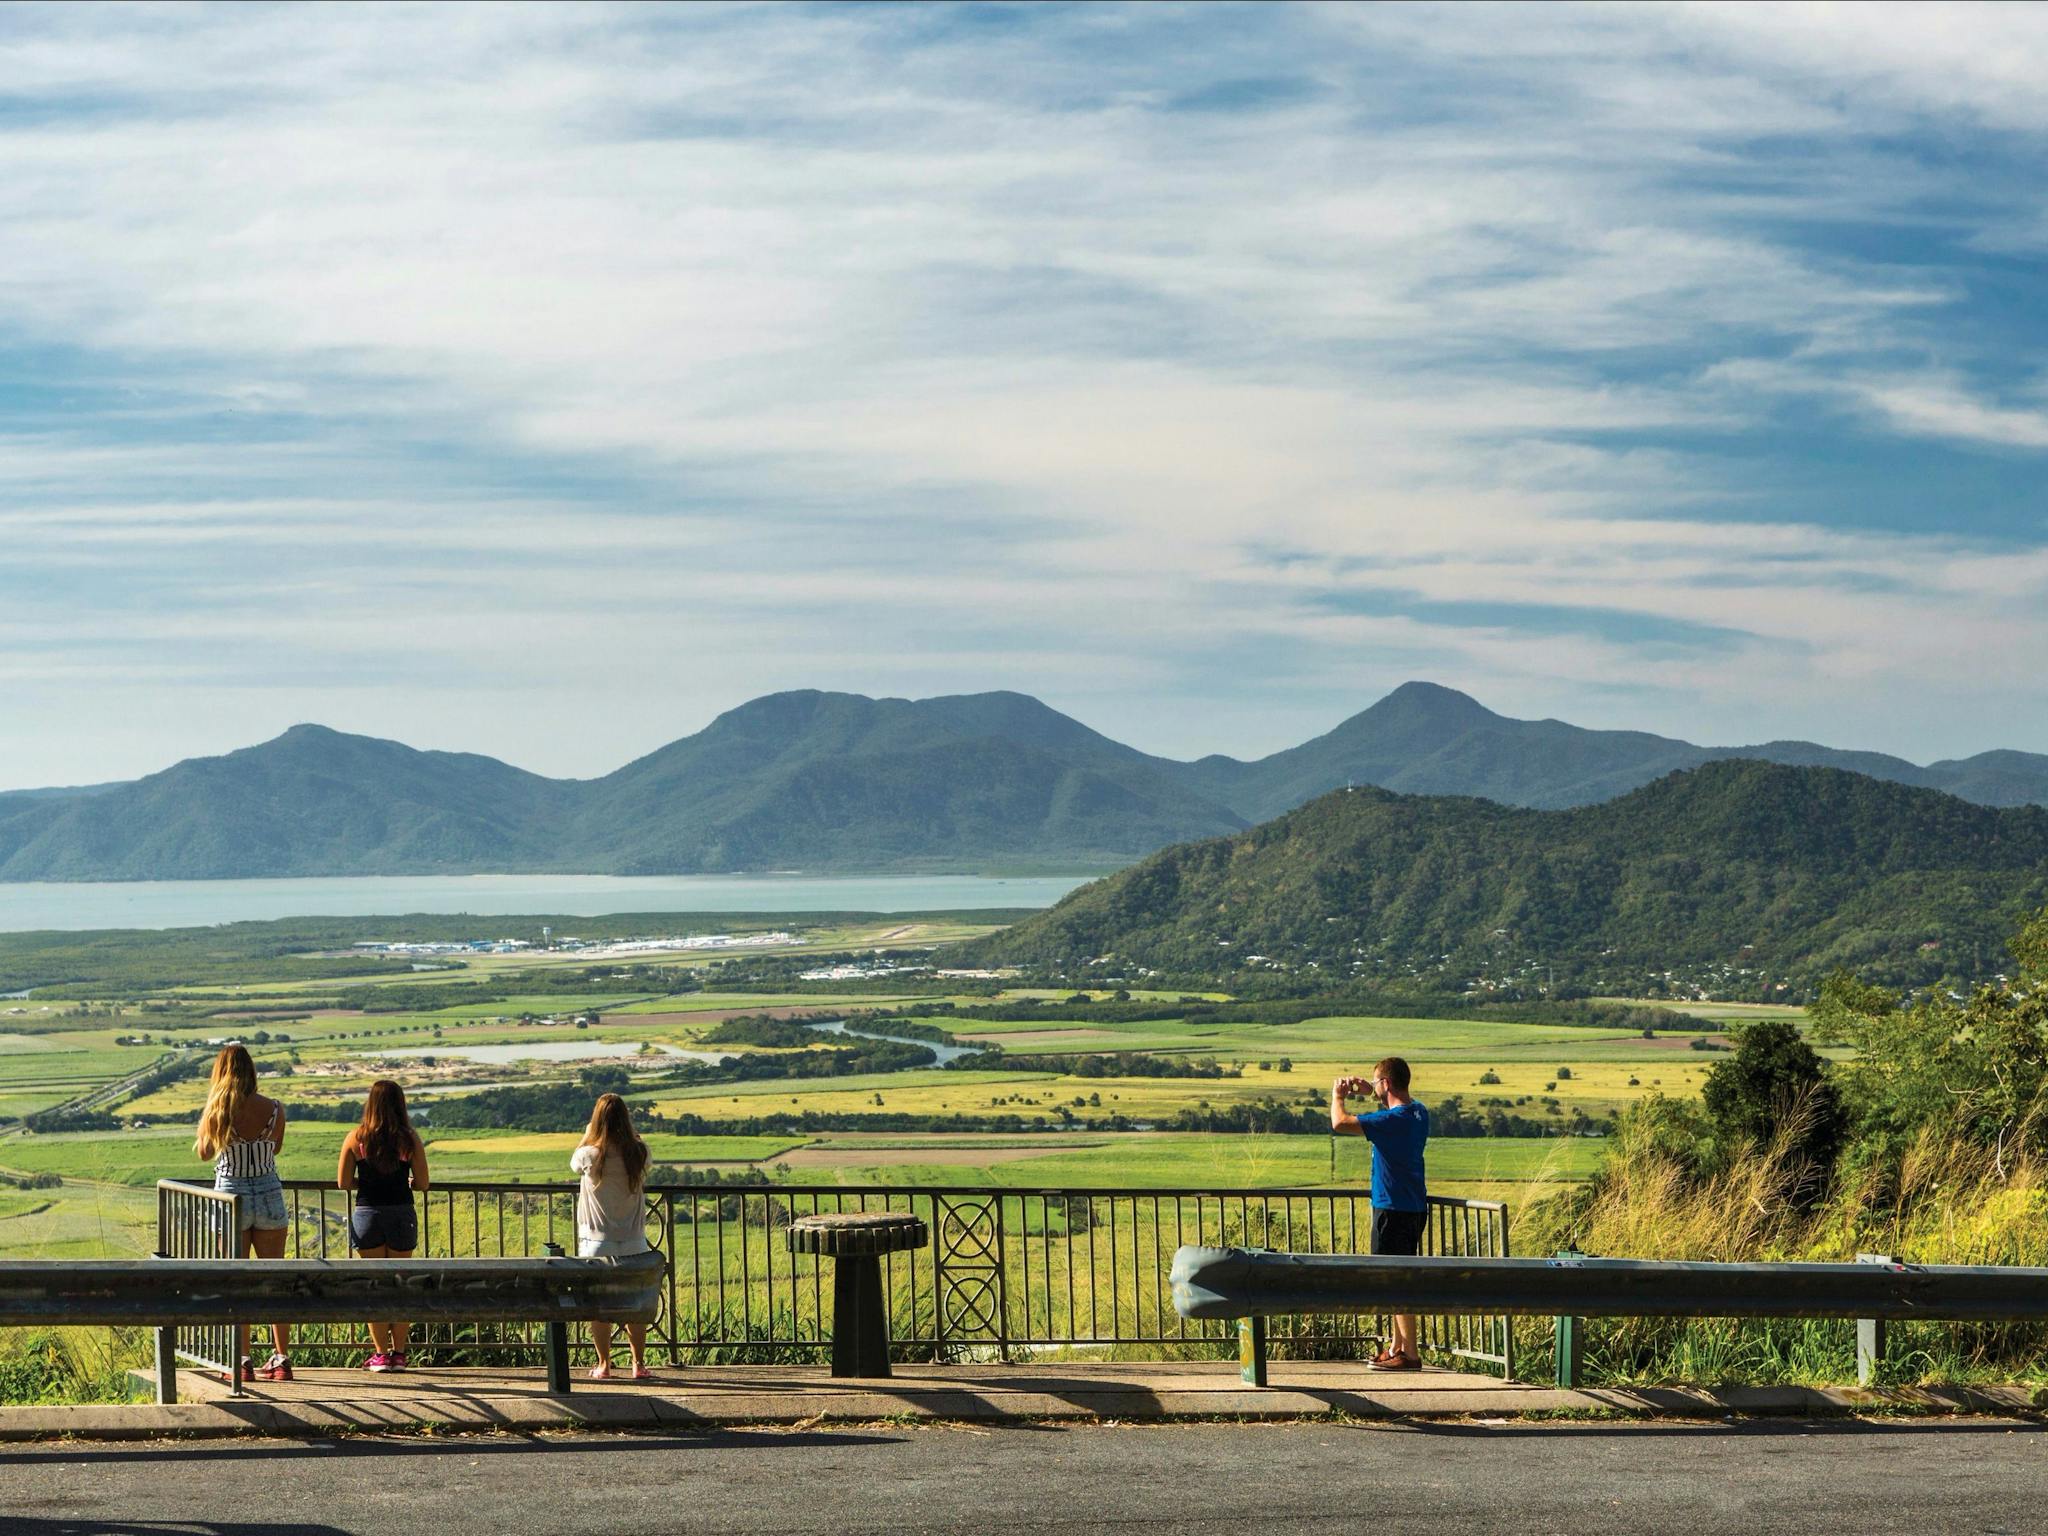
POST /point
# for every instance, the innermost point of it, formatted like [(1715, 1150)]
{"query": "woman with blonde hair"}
[(611, 1212), (383, 1160), (240, 1131)]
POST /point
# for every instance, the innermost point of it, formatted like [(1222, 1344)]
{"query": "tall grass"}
[(1945, 1200), (69, 1365)]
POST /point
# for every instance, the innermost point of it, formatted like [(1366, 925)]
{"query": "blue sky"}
[(544, 381)]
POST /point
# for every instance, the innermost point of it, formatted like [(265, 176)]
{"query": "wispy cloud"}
[(542, 380)]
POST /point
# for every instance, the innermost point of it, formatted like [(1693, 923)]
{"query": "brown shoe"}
[(1392, 1362)]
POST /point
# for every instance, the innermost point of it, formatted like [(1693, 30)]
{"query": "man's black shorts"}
[(1397, 1232)]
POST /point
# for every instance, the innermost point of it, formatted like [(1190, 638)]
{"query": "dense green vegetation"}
[(1742, 875), (1926, 1144)]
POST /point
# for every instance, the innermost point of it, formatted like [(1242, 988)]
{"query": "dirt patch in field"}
[(889, 1157), (1042, 1036)]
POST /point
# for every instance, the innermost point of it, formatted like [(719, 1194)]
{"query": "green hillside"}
[(1745, 865)]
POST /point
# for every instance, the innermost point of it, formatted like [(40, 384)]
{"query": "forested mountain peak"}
[(1757, 868)]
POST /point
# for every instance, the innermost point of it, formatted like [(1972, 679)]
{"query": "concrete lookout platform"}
[(328, 1402)]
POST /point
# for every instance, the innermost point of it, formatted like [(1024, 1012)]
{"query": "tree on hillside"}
[(1776, 1088)]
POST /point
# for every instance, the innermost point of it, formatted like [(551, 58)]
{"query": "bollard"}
[(1570, 1341), (1251, 1351), (1870, 1333)]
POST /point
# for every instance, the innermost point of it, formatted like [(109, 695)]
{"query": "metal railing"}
[(1009, 1274), (194, 1221)]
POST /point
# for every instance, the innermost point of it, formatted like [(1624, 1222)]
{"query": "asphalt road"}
[(1752, 1477)]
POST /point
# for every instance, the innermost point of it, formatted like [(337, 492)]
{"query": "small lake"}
[(945, 1053), (553, 1050), (68, 906)]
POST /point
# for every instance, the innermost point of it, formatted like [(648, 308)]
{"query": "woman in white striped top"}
[(240, 1131)]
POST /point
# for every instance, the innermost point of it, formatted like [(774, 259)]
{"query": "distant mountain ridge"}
[(815, 781), (1740, 870), (835, 782), (1426, 739)]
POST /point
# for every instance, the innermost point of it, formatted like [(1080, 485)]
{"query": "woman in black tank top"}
[(384, 1161)]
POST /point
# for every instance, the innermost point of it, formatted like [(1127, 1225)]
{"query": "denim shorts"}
[(384, 1226), (262, 1201), (610, 1247)]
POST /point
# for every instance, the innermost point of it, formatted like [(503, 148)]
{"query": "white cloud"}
[(851, 348)]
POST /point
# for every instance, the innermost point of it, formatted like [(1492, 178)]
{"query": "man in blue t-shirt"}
[(1398, 1131)]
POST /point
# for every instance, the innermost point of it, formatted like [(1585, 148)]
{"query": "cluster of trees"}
[(759, 1029), (1135, 1064)]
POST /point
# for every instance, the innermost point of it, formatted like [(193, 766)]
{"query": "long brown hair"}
[(233, 1085), (611, 1130), (385, 1136)]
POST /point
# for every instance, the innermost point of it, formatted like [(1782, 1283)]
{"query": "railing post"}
[(1507, 1324), (1570, 1339), (1251, 1351), (166, 1338), (558, 1339), (1870, 1333)]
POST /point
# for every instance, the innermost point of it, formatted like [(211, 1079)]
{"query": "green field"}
[(316, 1054)]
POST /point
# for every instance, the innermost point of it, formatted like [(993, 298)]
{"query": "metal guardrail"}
[(1235, 1282), (165, 1293), (122, 1293), (1009, 1274), (1217, 1283)]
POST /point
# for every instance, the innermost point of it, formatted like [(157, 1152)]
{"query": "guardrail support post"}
[(1870, 1333), (166, 1357), (1251, 1351), (1570, 1338), (558, 1338)]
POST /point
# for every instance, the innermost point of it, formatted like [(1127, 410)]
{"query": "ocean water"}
[(197, 903)]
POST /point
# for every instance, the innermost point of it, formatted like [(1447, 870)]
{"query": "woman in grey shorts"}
[(611, 1212), (240, 1131), (383, 1160)]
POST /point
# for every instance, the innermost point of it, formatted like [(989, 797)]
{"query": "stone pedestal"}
[(856, 1243)]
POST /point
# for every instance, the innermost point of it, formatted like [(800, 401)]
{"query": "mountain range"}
[(1738, 872), (834, 782)]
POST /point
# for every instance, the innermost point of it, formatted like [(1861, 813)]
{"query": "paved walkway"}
[(330, 1401)]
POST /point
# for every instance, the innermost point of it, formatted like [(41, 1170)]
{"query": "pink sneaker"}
[(278, 1368), (380, 1362), (399, 1361)]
